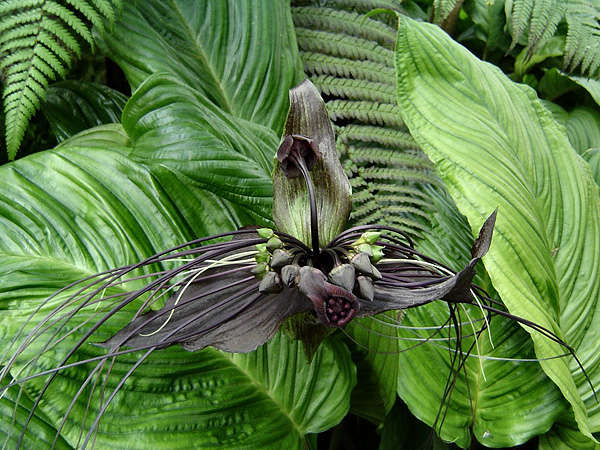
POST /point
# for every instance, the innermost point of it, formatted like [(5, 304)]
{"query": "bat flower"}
[(233, 291), (236, 295)]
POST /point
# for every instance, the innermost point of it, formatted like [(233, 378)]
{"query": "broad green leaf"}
[(40, 432), (558, 112), (583, 129), (592, 156), (190, 144), (554, 84), (74, 106), (241, 54), (591, 85), (315, 396), (495, 145), (566, 437), (582, 125), (525, 60), (424, 366), (102, 136), (375, 352), (71, 212)]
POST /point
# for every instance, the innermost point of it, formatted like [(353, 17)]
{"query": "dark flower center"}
[(339, 311)]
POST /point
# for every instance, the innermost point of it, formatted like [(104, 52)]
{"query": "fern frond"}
[(520, 17), (355, 89), (384, 136), (38, 42), (394, 173), (545, 17), (340, 67), (443, 8), (583, 39), (337, 21), (366, 6), (365, 111), (351, 60), (385, 156), (344, 46), (400, 191), (538, 20)]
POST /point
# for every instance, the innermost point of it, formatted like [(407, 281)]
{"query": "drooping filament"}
[(297, 155)]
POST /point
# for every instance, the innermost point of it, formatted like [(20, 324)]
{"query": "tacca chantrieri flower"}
[(235, 294)]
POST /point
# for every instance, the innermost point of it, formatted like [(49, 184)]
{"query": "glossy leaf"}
[(490, 20), (241, 55), (494, 145), (180, 134), (375, 349), (74, 211), (41, 432), (74, 106)]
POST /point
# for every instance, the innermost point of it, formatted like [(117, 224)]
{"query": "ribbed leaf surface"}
[(238, 53), (592, 156), (485, 388), (583, 129), (74, 106), (77, 210), (494, 145), (181, 134)]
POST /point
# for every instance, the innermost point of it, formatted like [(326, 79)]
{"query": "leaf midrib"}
[(224, 101), (265, 391)]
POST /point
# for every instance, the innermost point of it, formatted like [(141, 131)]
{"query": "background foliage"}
[(432, 139)]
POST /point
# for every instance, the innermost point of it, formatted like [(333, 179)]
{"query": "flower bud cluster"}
[(366, 244), (334, 288)]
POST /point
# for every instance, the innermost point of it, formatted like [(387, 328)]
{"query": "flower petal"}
[(223, 310), (308, 117), (456, 289), (334, 305)]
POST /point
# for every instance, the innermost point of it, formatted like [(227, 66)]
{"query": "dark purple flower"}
[(235, 294)]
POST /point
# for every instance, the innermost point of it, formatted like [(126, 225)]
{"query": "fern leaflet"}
[(350, 59), (38, 41), (539, 20)]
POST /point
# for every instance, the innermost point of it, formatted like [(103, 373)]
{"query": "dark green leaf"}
[(74, 106), (490, 20), (40, 433), (554, 84), (241, 55), (192, 146), (71, 212)]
